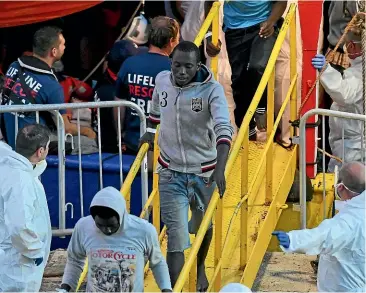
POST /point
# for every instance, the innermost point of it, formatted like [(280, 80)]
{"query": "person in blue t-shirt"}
[(136, 78), (250, 33), (30, 80)]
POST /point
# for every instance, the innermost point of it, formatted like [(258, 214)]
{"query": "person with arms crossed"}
[(194, 140), (25, 226)]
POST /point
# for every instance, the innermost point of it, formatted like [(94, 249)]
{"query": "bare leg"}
[(202, 282)]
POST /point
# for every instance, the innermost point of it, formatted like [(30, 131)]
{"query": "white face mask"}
[(337, 195), (39, 168)]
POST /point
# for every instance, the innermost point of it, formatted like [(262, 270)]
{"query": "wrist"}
[(151, 130), (271, 21)]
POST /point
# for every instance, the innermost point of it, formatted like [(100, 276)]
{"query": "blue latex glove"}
[(38, 261), (318, 61), (283, 238)]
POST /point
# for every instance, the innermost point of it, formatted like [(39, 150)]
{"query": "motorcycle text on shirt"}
[(112, 270)]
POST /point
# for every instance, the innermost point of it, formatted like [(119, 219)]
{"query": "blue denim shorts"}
[(178, 192)]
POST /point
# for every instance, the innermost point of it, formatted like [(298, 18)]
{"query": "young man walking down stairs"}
[(194, 140)]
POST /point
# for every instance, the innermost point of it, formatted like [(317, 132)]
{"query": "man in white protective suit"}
[(25, 227), (340, 241), (193, 20), (346, 93)]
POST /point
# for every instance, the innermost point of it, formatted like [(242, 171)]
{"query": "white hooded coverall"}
[(25, 227), (340, 242), (346, 93)]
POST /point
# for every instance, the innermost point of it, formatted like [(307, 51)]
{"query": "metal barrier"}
[(303, 120), (248, 258), (54, 109)]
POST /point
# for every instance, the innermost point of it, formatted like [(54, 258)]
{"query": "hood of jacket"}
[(357, 202), (12, 159), (357, 62), (35, 64), (111, 198), (204, 75)]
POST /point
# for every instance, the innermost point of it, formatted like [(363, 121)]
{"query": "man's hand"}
[(318, 61), (283, 238), (211, 49), (90, 133), (148, 137), (38, 261), (267, 29), (218, 176)]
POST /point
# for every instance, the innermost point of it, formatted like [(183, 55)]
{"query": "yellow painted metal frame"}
[(252, 259)]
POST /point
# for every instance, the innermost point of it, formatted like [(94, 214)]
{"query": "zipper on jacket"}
[(179, 134), (176, 98)]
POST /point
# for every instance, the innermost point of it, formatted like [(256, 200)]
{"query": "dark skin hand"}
[(148, 138), (218, 175), (267, 27), (211, 49), (266, 30)]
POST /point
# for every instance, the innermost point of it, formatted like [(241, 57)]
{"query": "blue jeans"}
[(179, 191)]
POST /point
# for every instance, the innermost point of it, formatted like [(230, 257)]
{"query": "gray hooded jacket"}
[(193, 121), (116, 262)]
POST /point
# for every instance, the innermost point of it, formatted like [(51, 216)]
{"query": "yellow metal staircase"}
[(259, 229), (259, 177)]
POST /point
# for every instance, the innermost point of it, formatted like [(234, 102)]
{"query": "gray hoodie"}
[(115, 263), (193, 121)]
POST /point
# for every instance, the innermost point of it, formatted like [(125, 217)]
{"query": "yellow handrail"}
[(125, 191), (242, 135)]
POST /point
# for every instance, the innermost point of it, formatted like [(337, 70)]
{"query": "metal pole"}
[(303, 120), (61, 170), (144, 174)]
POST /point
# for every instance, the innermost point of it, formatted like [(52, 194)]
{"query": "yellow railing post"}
[(126, 188), (218, 242), (293, 69), (244, 207), (206, 24), (215, 41), (270, 121), (219, 208), (156, 201)]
